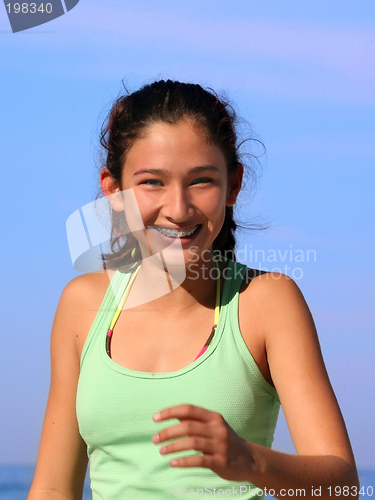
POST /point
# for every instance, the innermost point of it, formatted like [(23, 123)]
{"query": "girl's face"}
[(181, 185)]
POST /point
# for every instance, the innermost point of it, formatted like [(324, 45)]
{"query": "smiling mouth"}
[(173, 233)]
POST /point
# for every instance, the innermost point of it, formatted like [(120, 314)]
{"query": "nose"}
[(177, 206)]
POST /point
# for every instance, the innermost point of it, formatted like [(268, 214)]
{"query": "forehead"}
[(181, 145)]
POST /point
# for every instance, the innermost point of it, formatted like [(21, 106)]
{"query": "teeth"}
[(177, 234)]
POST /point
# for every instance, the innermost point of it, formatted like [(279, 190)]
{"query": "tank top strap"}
[(106, 311), (235, 273)]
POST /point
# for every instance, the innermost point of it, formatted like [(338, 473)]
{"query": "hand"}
[(224, 452)]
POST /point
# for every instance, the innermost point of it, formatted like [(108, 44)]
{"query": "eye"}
[(152, 182), (202, 180)]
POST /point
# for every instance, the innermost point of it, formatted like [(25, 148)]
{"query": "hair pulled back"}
[(169, 102)]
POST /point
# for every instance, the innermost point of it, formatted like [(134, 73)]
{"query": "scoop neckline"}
[(191, 366)]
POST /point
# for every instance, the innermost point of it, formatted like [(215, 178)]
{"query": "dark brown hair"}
[(168, 102)]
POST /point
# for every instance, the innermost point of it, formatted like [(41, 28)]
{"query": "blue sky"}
[(300, 72)]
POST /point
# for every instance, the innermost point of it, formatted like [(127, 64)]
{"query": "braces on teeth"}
[(177, 234)]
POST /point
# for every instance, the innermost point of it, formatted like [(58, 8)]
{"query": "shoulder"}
[(264, 280), (271, 291), (265, 304), (276, 310), (277, 304), (84, 291), (86, 285), (263, 291), (270, 288), (78, 306)]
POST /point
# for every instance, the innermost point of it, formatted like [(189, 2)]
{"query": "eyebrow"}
[(160, 171)]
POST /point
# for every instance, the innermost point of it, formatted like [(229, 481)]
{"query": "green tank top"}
[(115, 406)]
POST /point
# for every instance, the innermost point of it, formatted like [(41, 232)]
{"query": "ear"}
[(234, 185), (111, 190)]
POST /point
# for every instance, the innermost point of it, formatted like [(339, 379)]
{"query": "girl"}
[(161, 406)]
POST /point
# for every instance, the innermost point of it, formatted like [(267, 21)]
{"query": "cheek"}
[(214, 207), (145, 205), (220, 220)]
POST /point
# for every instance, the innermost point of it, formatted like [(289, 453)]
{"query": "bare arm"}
[(324, 455), (62, 458)]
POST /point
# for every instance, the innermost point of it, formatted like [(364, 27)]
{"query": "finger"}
[(185, 428), (197, 443), (206, 461), (183, 412)]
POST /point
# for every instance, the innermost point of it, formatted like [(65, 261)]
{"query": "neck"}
[(179, 290)]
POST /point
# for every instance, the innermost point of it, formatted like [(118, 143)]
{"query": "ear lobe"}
[(111, 190), (234, 185)]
